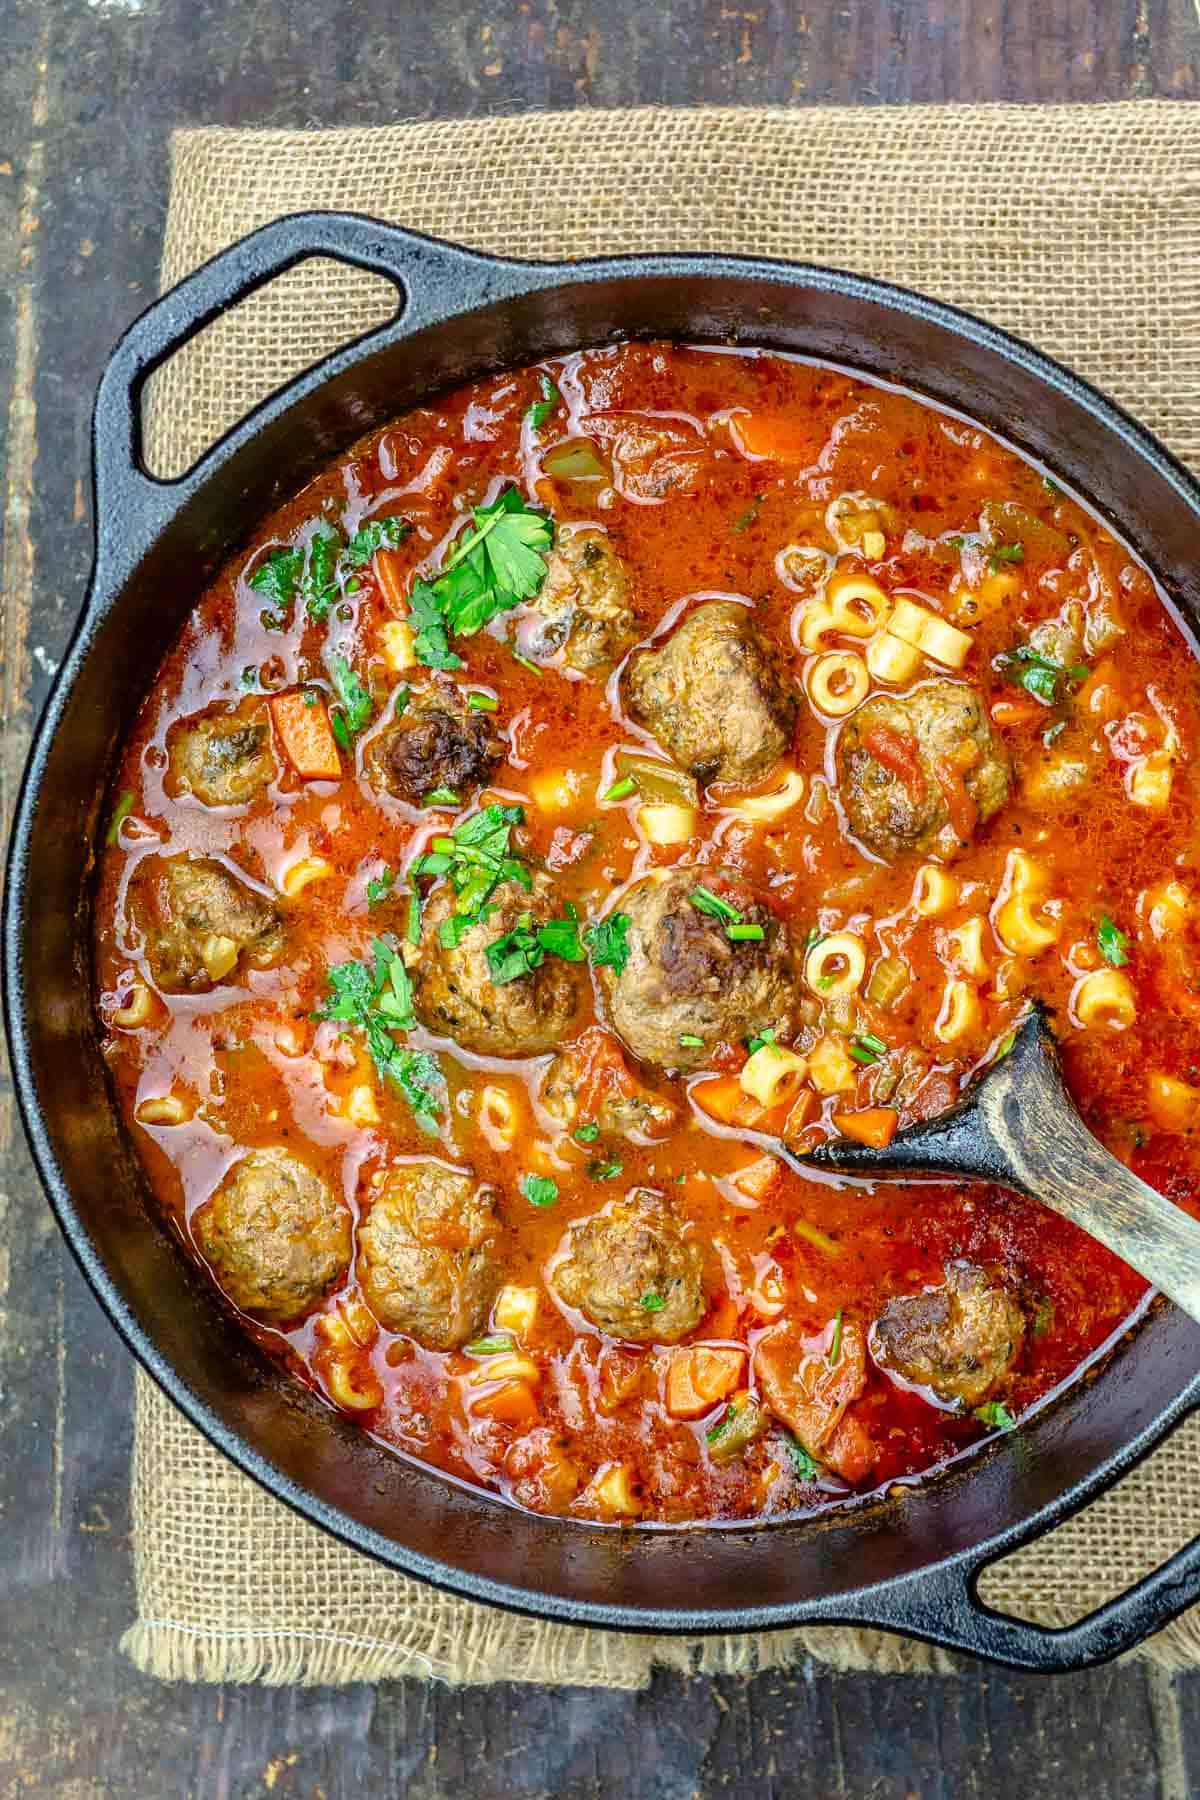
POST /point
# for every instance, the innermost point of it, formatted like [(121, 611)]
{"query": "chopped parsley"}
[(995, 1414), (745, 520), (805, 1467), (652, 1303), (539, 1190), (737, 929), (1038, 675), (867, 1048), (835, 1348), (376, 534), (476, 858), (496, 1344), (442, 796), (121, 812), (1113, 942), (1051, 486), (377, 999), (541, 409), (380, 886), (276, 578), (482, 702), (1006, 553), (608, 942), (318, 585), (690, 1041), (586, 1134), (604, 1171), (412, 923), (526, 947), (356, 707), (494, 567), (761, 1038)]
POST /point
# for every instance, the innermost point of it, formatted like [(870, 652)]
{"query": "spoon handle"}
[(1049, 1153)]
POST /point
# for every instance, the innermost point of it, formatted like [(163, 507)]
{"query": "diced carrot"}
[(512, 1403), (306, 736), (1017, 712), (774, 437), (389, 572), (700, 1376), (723, 1097), (875, 1125)]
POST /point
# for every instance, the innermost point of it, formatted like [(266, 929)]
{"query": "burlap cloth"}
[(1076, 226)]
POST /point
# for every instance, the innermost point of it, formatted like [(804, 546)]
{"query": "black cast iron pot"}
[(909, 1564)]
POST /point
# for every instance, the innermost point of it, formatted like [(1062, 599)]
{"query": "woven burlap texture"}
[(1078, 227)]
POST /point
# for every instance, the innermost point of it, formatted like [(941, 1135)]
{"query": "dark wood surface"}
[(89, 90)]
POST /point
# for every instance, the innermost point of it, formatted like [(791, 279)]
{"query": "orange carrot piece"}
[(306, 736), (723, 1097), (773, 437), (700, 1376), (389, 573), (1017, 712), (512, 1403), (875, 1125)]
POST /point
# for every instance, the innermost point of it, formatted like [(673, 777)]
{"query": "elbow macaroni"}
[(934, 891), (1014, 917), (1105, 997), (960, 1014)]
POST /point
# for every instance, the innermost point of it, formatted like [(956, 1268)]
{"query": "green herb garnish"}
[(442, 796), (539, 1190), (621, 790), (494, 567), (497, 1344), (526, 947), (376, 534), (867, 1048), (835, 1348), (586, 1134), (379, 887), (608, 942), (1038, 675), (690, 1041), (745, 934), (652, 1303), (412, 923), (476, 858), (995, 1414), (318, 584), (806, 1467), (121, 812), (1006, 553), (761, 1038), (482, 702), (276, 578), (705, 901), (377, 999), (1113, 942), (356, 704), (541, 409), (604, 1171)]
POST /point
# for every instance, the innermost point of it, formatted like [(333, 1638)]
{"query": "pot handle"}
[(943, 1607), (433, 279)]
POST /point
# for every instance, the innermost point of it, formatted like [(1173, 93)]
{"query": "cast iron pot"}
[(909, 1564)]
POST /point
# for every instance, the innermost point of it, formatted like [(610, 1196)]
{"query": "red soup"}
[(593, 779)]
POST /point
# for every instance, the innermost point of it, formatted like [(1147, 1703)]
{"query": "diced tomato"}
[(962, 810), (900, 755), (803, 1386), (307, 736), (774, 437), (700, 1376)]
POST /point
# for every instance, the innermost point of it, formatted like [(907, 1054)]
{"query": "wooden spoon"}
[(1017, 1126)]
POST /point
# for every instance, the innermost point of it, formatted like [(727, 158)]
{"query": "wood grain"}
[(89, 90)]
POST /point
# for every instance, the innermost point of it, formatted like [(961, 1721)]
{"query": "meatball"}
[(684, 978), (453, 991), (274, 1234), (577, 1091), (583, 608), (630, 1270), (427, 1254), (437, 742), (959, 1339), (718, 697), (200, 921), (919, 773), (224, 759)]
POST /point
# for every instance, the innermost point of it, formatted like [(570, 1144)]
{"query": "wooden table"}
[(89, 90)]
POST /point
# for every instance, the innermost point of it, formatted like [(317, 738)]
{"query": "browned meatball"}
[(427, 1254), (437, 742), (920, 772), (274, 1234), (200, 921), (718, 697), (684, 978), (453, 991), (224, 759), (959, 1339), (630, 1270), (583, 608)]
